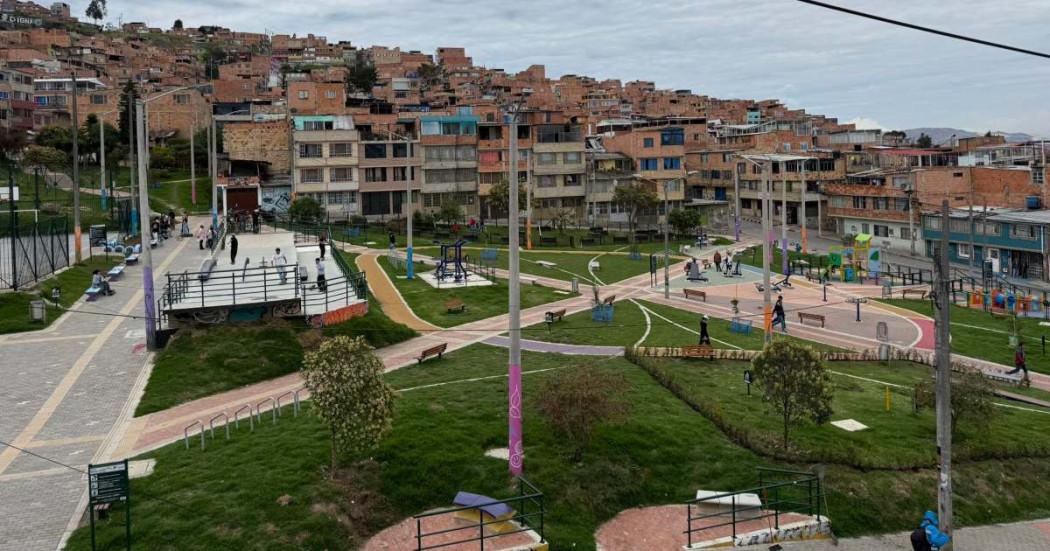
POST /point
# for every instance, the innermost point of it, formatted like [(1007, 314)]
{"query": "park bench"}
[(431, 352), (1004, 377), (741, 326), (813, 278), (526, 280), (803, 316), (116, 271), (548, 241), (609, 299), (546, 263), (455, 305), (695, 294), (760, 288), (206, 267), (92, 293), (554, 315), (920, 292), (594, 265)]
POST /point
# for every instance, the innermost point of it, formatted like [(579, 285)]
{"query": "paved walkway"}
[(68, 392), (384, 291), (1022, 536)]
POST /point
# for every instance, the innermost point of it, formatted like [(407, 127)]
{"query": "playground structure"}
[(455, 269), (451, 267)]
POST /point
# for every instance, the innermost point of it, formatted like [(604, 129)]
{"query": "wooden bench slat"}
[(802, 316), (437, 350), (695, 293)]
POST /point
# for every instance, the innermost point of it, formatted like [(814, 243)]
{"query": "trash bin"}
[(37, 311), (575, 285)]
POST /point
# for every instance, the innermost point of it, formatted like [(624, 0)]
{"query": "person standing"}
[(233, 249), (255, 220), (322, 285), (200, 236), (778, 314), (928, 536), (321, 243), (185, 229), (1020, 360), (278, 261), (705, 337), (717, 260)]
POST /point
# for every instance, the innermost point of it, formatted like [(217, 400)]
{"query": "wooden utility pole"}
[(944, 376)]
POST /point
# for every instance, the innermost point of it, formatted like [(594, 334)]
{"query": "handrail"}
[(295, 402), (226, 423), (278, 401), (524, 518), (273, 410), (237, 418), (186, 436)]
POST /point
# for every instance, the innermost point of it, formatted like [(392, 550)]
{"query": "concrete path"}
[(68, 393), (389, 299), (1022, 536)]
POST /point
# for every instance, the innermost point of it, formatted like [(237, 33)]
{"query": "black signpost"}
[(108, 483), (747, 380)]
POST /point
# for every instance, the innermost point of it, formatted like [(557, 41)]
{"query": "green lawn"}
[(227, 495), (979, 334), (898, 439), (482, 302), (176, 194), (753, 257), (14, 307), (613, 267)]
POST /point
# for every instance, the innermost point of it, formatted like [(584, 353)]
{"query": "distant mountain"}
[(941, 135)]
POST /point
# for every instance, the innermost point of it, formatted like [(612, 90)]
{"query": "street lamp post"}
[(144, 213), (667, 245), (515, 443), (736, 202)]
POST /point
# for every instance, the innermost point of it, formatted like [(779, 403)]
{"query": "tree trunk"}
[(332, 473)]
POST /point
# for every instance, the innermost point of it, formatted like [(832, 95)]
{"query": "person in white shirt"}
[(279, 261), (322, 285)]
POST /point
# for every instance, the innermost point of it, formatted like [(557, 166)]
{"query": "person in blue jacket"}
[(928, 536)]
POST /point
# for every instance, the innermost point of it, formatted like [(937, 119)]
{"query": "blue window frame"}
[(672, 163), (647, 142), (672, 136), (649, 164)]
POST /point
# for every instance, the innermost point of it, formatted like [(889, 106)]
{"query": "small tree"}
[(450, 212), (345, 380), (794, 382), (305, 209), (924, 141), (96, 10), (576, 401), (499, 198), (46, 158), (362, 77), (684, 221), (635, 198), (972, 397)]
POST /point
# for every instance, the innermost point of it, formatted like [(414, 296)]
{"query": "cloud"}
[(823, 61), (864, 123)]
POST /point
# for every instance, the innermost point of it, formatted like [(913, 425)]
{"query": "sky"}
[(858, 70)]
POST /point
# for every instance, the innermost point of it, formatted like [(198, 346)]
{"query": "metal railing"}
[(792, 491), (528, 507), (254, 417), (231, 287)]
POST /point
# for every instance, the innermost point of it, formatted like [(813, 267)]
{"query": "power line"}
[(925, 29)]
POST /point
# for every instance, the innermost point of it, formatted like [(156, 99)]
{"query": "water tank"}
[(1032, 202)]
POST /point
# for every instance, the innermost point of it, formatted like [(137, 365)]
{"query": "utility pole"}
[(410, 269), (144, 212), (528, 204), (767, 234), (214, 155), (13, 215), (944, 377), (193, 163), (667, 246), (516, 447), (132, 165), (911, 219), (802, 194), (76, 173), (783, 219), (736, 201), (101, 155)]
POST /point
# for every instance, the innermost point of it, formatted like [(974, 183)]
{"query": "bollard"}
[(888, 399)]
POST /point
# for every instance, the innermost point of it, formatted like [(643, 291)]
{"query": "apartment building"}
[(658, 154), (1004, 243), (450, 161), (16, 99), (606, 171), (796, 183), (53, 96), (494, 151), (559, 169), (389, 163), (325, 163), (317, 98)]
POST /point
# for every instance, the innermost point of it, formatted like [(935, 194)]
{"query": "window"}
[(1038, 177), (375, 150), (571, 157), (330, 94), (860, 202), (309, 151), (673, 136), (180, 99), (342, 149), (341, 174), (672, 163), (545, 181), (400, 150), (1023, 231), (647, 142), (546, 158), (864, 228), (303, 94), (572, 180), (905, 233), (317, 125), (881, 231), (311, 175), (648, 164), (98, 99), (963, 250), (400, 173), (375, 174), (4, 96)]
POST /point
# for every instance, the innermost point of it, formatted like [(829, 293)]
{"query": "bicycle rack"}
[(226, 423), (186, 436), (237, 417), (273, 409), (278, 401), (295, 402)]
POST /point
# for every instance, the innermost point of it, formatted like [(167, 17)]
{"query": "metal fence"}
[(33, 251), (528, 507)]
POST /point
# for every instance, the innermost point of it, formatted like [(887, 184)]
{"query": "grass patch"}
[(979, 334), (752, 256), (482, 302), (613, 268), (14, 307), (201, 362), (177, 194), (898, 439), (375, 326)]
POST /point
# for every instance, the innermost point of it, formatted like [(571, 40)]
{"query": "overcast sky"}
[(826, 62)]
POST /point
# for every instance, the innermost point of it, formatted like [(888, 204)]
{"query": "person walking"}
[(717, 260), (278, 261), (322, 285), (185, 229), (201, 234), (705, 337), (1020, 360), (928, 536), (255, 220), (321, 243), (233, 249), (778, 314)]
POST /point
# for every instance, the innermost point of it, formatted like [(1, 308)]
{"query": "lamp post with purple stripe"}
[(144, 214)]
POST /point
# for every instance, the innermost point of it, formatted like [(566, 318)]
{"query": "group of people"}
[(245, 221), (279, 261), (720, 266), (206, 238)]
